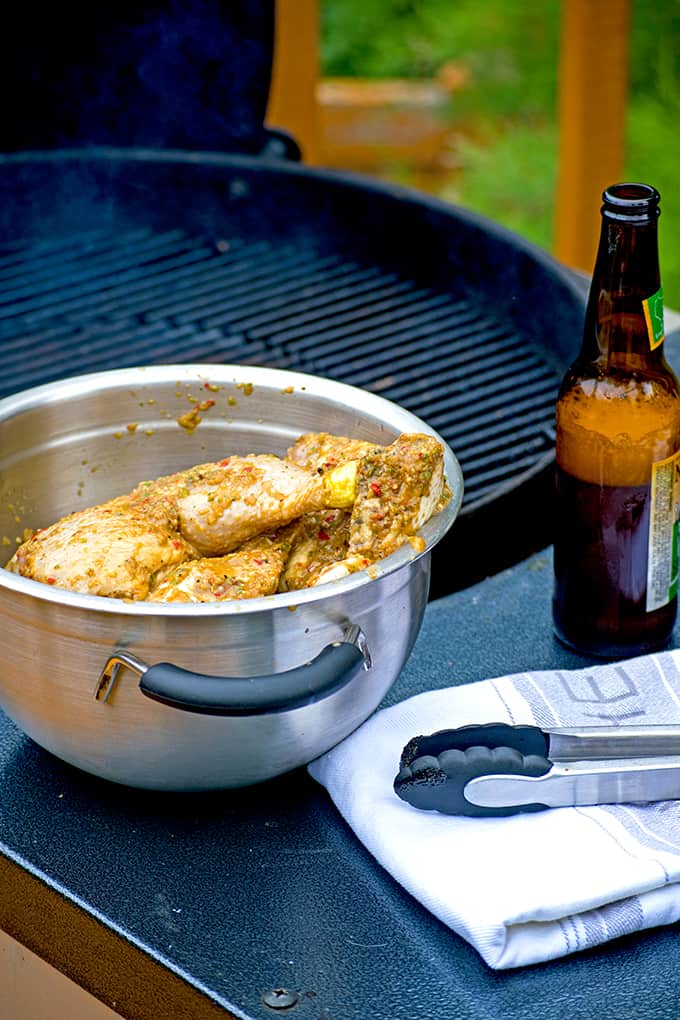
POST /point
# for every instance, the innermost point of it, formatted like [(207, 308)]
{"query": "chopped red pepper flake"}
[(223, 463), (375, 488), (323, 536), (51, 580), (247, 467), (177, 544)]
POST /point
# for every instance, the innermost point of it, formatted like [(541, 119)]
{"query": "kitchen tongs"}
[(499, 769)]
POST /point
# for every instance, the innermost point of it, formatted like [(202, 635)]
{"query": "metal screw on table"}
[(280, 998)]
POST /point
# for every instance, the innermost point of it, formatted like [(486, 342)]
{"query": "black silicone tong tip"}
[(526, 739), (435, 769)]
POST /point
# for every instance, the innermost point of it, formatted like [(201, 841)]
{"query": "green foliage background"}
[(507, 148)]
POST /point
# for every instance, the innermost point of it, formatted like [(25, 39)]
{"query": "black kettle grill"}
[(149, 216)]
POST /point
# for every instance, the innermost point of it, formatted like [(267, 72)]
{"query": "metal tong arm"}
[(577, 743), (612, 781)]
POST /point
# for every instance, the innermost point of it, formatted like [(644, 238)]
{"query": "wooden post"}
[(292, 102), (594, 48)]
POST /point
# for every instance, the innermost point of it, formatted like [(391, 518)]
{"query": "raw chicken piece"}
[(252, 570), (158, 497), (320, 540), (399, 487), (321, 451), (254, 495), (111, 549)]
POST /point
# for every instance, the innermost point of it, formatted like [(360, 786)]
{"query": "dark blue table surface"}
[(263, 888)]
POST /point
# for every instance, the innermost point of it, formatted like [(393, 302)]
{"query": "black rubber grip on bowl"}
[(437, 782), (335, 667), (525, 739)]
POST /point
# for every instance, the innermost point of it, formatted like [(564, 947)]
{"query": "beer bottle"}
[(618, 449)]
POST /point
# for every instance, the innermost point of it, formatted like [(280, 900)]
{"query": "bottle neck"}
[(618, 330)]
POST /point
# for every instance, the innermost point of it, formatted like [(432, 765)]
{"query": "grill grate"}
[(97, 301)]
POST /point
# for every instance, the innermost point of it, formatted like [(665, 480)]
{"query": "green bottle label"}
[(653, 309)]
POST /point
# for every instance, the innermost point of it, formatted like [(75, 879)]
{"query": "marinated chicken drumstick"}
[(256, 494)]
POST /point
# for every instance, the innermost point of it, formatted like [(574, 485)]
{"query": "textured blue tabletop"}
[(203, 905)]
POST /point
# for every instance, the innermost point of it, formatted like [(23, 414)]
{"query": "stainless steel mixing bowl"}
[(184, 696)]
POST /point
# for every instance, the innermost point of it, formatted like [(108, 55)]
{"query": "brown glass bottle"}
[(618, 450)]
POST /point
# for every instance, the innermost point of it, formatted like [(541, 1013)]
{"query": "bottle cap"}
[(632, 203)]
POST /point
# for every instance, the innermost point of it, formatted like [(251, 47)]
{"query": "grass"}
[(508, 163), (653, 150)]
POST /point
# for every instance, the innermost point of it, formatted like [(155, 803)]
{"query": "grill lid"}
[(192, 74)]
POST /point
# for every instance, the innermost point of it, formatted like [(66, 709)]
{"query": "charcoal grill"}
[(120, 256)]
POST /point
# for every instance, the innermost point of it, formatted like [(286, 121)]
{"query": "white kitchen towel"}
[(535, 886)]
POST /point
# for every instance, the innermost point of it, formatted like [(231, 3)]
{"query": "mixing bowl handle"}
[(333, 668)]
